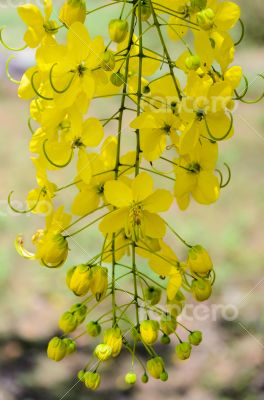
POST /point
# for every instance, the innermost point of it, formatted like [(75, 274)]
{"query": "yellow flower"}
[(213, 41), (83, 55), (136, 208), (155, 130), (101, 170), (195, 175), (39, 27), (204, 111), (51, 246)]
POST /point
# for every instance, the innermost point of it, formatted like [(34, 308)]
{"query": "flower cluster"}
[(175, 110)]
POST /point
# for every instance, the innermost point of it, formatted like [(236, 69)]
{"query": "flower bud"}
[(205, 19), (195, 338), (81, 375), (117, 79), (193, 62), (103, 352), (78, 279), (183, 350), (108, 62), (118, 30), (71, 345), (92, 380), (201, 289), (68, 322), (153, 295), (99, 282), (93, 328), (145, 10), (165, 339), (168, 324), (73, 11), (57, 349), (164, 376), (113, 338), (80, 312), (131, 378), (144, 378), (149, 331), (52, 250), (197, 5), (155, 367), (199, 260)]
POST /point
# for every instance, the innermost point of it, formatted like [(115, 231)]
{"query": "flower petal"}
[(114, 222), (118, 194), (92, 132), (158, 201), (154, 226), (142, 187)]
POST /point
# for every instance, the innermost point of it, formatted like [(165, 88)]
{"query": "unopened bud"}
[(118, 30), (73, 11)]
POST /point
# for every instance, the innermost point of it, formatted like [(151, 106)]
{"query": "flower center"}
[(77, 142), (81, 69), (194, 168), (135, 216), (166, 128)]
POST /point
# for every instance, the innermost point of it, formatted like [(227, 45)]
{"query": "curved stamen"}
[(221, 177), (7, 46), (13, 80), (35, 89), (52, 162), (225, 135), (24, 211), (243, 94), (241, 97), (30, 126), (242, 32), (19, 245), (52, 84), (223, 185)]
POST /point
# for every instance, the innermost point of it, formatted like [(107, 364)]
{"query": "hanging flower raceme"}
[(118, 116)]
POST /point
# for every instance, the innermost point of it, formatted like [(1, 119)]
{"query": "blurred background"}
[(229, 363)]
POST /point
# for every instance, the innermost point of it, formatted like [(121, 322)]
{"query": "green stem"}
[(134, 271), (166, 52)]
